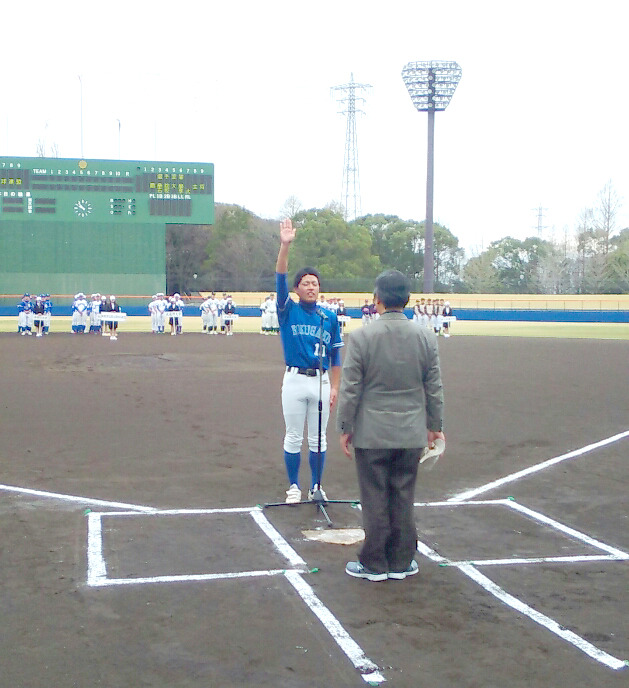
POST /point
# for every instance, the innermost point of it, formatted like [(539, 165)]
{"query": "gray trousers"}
[(386, 478)]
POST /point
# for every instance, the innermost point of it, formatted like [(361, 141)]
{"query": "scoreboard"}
[(63, 189), (70, 225)]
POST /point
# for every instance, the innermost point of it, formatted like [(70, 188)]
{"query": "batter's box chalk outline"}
[(470, 569), (97, 575)]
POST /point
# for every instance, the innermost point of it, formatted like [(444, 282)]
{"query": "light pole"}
[(81, 83), (431, 86)]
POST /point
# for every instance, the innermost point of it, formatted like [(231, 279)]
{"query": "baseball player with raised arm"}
[(303, 327)]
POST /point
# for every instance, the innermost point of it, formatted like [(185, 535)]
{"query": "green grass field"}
[(486, 328)]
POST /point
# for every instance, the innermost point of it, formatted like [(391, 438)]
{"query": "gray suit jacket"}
[(391, 391)]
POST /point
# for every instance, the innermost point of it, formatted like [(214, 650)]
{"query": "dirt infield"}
[(123, 562)]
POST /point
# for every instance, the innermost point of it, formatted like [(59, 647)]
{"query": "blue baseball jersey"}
[(300, 331)]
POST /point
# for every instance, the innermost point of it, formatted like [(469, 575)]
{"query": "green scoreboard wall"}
[(95, 225)]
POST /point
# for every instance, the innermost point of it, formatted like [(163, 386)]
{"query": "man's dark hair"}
[(303, 272), (393, 289)]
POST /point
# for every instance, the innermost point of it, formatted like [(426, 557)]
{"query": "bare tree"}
[(291, 207), (609, 204), (41, 149)]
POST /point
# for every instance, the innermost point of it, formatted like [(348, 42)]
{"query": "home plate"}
[(342, 536)]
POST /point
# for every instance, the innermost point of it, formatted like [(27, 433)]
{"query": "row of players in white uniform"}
[(89, 314), (434, 314), (218, 313)]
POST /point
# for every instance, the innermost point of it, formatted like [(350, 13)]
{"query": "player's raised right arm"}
[(287, 234)]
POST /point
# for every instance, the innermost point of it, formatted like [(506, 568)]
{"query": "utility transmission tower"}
[(540, 219), (350, 198)]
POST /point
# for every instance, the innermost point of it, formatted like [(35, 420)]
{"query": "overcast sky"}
[(539, 117)]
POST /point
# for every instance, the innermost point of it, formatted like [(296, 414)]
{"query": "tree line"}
[(238, 253)]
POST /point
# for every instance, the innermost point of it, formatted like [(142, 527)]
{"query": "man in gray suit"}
[(390, 406)]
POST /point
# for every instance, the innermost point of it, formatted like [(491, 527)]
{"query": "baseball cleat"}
[(293, 494), (312, 492)]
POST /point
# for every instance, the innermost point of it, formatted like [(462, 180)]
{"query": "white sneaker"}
[(293, 494), (410, 571), (311, 493)]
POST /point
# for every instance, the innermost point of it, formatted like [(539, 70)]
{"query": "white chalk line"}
[(370, 671), (536, 515), (183, 578), (537, 560), (278, 541), (469, 494), (73, 498), (97, 576), (98, 567), (469, 569), (542, 619), (615, 554)]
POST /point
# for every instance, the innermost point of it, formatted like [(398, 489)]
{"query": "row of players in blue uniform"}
[(33, 314)]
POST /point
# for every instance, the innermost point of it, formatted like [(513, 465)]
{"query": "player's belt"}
[(310, 372)]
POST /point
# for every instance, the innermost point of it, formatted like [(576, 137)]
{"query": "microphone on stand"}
[(321, 314)]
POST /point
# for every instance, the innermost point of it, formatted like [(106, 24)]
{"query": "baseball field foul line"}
[(97, 568), (469, 494), (72, 498), (97, 576), (542, 619), (470, 570), (369, 671)]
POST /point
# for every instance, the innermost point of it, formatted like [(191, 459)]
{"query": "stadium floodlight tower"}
[(431, 86)]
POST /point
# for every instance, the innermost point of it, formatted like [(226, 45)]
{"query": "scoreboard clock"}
[(61, 189), (83, 208)]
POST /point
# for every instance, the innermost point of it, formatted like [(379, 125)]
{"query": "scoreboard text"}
[(106, 190)]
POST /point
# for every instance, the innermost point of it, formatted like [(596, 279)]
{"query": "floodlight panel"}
[(431, 85)]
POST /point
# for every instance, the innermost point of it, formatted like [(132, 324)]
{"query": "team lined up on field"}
[(434, 314), (34, 315), (217, 314), (88, 316)]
